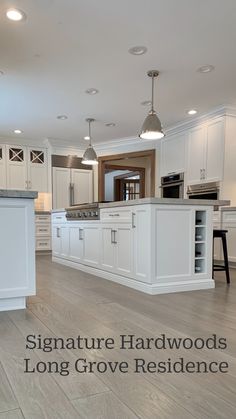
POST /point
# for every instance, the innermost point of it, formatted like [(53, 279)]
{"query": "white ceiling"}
[(67, 46)]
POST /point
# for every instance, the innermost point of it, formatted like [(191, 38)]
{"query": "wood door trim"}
[(103, 162)]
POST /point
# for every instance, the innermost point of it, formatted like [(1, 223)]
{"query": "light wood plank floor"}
[(69, 303)]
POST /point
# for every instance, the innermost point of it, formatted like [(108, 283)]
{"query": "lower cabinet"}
[(117, 249), (91, 244)]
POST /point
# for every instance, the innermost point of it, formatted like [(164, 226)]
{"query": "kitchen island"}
[(153, 245), (17, 248)]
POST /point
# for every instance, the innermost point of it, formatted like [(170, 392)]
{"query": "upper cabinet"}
[(3, 180), (37, 169), (173, 154), (23, 168), (206, 152), (16, 158)]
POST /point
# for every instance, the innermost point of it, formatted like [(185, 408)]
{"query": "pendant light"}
[(90, 156), (152, 129)]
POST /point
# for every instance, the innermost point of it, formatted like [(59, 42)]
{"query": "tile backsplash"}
[(43, 202)]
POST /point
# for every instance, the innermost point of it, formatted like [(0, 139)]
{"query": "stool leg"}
[(213, 251), (224, 242)]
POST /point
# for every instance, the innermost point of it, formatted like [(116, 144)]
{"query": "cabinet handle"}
[(29, 184), (113, 236), (26, 184), (58, 232), (133, 220), (114, 215), (81, 234)]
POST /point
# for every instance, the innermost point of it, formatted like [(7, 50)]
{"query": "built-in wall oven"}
[(172, 186), (204, 191)]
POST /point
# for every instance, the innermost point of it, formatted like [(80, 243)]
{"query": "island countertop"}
[(166, 201), (11, 193)]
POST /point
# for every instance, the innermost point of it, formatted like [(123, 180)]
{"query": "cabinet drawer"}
[(229, 218), (43, 244), (43, 230), (42, 218), (116, 216), (59, 217)]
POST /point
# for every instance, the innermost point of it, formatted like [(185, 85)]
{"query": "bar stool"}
[(225, 267)]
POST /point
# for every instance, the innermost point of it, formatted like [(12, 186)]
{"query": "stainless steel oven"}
[(204, 191), (172, 186)]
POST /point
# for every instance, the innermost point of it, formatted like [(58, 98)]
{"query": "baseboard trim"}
[(152, 289), (16, 303)]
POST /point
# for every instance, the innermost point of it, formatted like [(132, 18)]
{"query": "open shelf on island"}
[(200, 242)]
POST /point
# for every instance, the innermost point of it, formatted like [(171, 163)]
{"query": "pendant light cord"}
[(90, 134), (152, 110)]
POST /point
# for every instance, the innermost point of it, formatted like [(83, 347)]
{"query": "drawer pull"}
[(114, 215)]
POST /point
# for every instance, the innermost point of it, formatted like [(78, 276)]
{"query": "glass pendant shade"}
[(90, 156), (151, 128)]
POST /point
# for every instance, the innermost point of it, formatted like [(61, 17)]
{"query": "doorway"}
[(126, 176)]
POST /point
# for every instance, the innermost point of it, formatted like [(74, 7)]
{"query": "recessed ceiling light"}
[(17, 131), (206, 68), (15, 14), (138, 50), (91, 91), (87, 138), (62, 117), (192, 112), (146, 103), (110, 124)]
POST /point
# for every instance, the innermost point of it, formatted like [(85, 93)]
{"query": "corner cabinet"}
[(206, 152), (23, 168)]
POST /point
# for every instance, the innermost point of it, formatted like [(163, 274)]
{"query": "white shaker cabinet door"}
[(65, 245), (173, 154), (16, 167), (82, 186), (56, 240), (37, 170), (123, 237), (3, 173), (76, 251), (196, 155), (91, 240), (215, 151), (61, 187), (107, 248)]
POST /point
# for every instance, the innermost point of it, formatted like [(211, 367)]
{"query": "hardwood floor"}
[(71, 303)]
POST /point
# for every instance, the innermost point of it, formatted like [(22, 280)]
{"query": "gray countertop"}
[(159, 201), (10, 193), (165, 201)]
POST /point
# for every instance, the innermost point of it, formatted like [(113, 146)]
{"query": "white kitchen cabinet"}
[(117, 249), (107, 248), (65, 243), (3, 174), (229, 223), (37, 169), (56, 240), (82, 185), (215, 150), (142, 243), (76, 251), (43, 231), (61, 187), (196, 154), (16, 167), (123, 237), (71, 186), (173, 154), (206, 152), (91, 244)]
